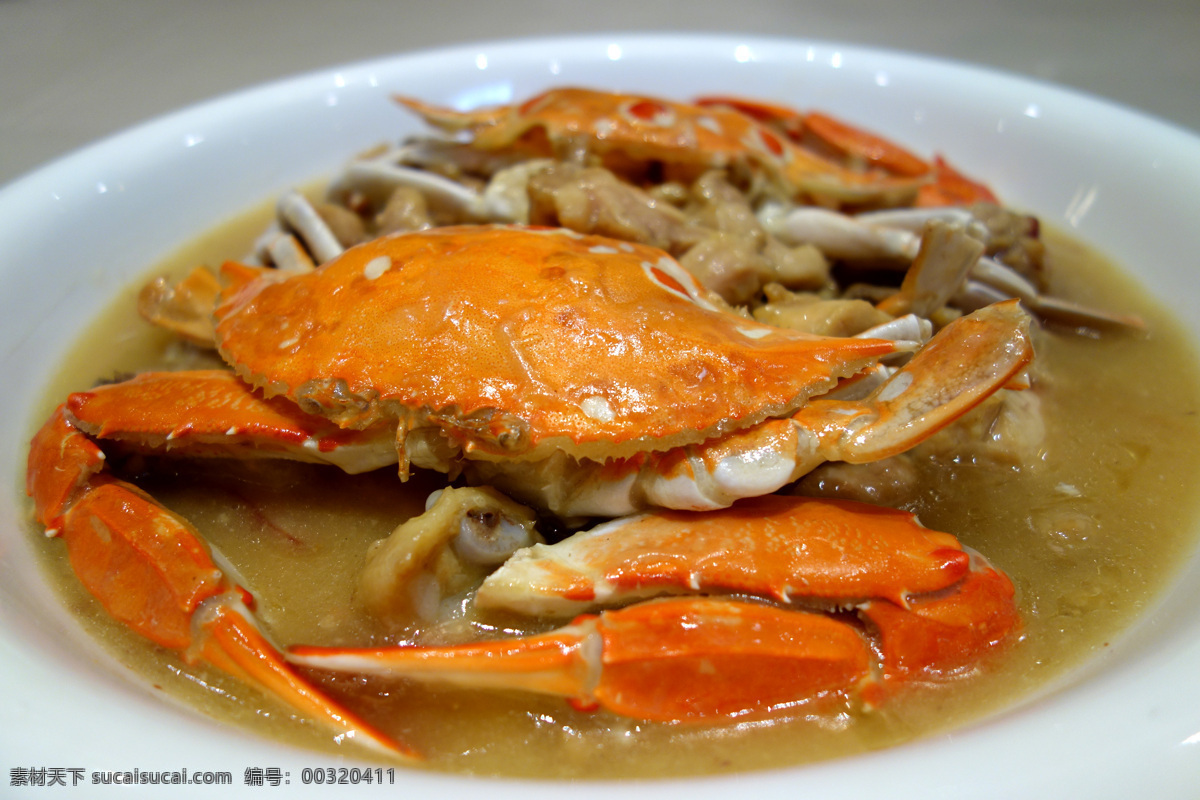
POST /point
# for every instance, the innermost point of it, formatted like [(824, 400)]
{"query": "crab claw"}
[(942, 634), (873, 602), (777, 546), (963, 365), (933, 607), (151, 571), (679, 660)]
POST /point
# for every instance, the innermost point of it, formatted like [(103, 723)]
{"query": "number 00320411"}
[(344, 775)]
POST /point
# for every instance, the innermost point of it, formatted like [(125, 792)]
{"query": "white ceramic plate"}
[(78, 230)]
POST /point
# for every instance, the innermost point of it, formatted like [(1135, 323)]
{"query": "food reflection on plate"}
[(753, 340)]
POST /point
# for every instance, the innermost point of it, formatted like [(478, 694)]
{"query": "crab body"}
[(516, 342), (586, 375)]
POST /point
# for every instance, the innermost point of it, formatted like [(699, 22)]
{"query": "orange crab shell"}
[(516, 342), (620, 128), (639, 127)]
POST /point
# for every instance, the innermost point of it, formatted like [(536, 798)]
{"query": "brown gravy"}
[(1089, 535)]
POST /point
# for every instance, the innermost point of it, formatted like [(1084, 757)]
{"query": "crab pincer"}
[(795, 600), (678, 660), (152, 571)]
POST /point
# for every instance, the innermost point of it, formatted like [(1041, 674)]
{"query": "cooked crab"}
[(503, 345), (588, 376), (635, 130), (806, 157)]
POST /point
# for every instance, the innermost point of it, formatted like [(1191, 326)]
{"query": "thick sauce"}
[(1089, 535)]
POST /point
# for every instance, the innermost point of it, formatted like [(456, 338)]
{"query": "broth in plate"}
[(1089, 533)]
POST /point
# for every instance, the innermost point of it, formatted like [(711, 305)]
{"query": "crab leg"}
[(948, 187), (960, 367), (152, 572), (965, 363), (926, 607), (952, 188), (935, 607), (186, 308), (213, 413), (679, 660), (777, 546)]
